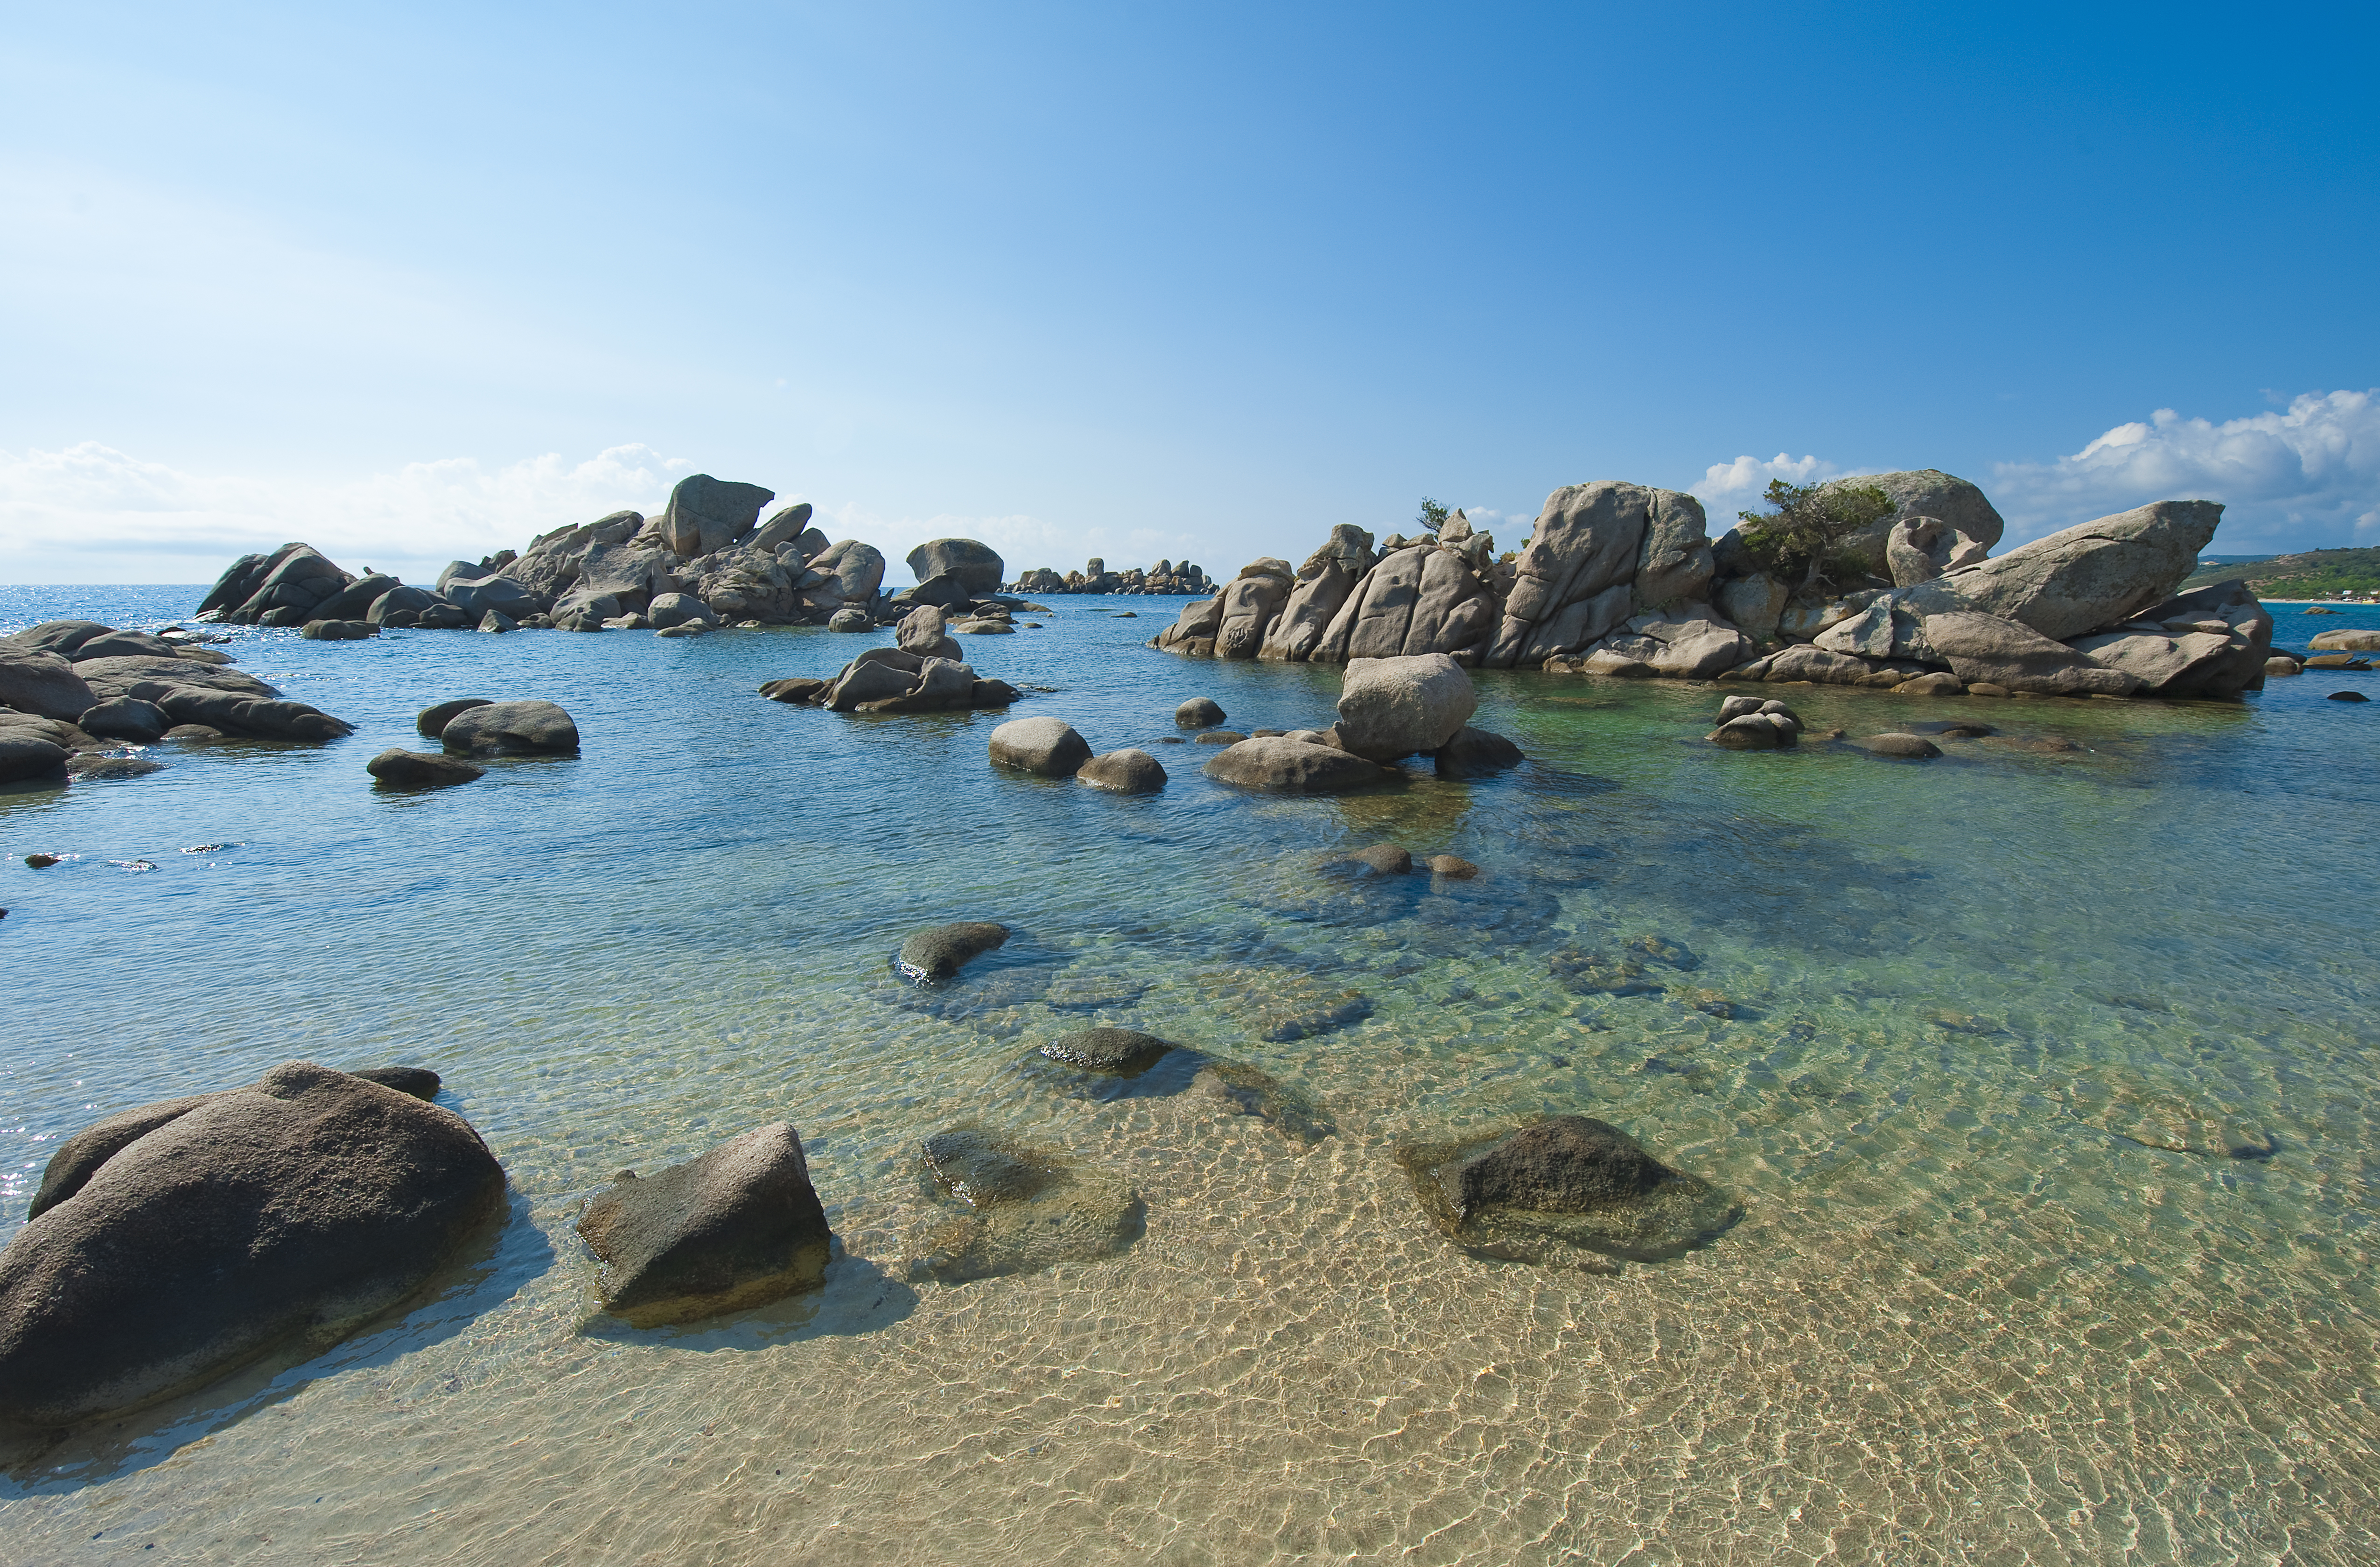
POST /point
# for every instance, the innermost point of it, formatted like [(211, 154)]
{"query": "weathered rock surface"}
[(938, 953), (1394, 707), (1246, 608), (43, 684), (2094, 574), (1323, 584), (2346, 642), (706, 513), (1241, 1089), (736, 1228), (923, 631), (400, 769), (1127, 772), (524, 728), (1027, 1206), (1546, 1190), (1475, 753), (1922, 492), (25, 756), (1046, 745), (1292, 767), (64, 637), (2003, 652), (974, 569), (301, 1207), (1199, 712), (126, 717)]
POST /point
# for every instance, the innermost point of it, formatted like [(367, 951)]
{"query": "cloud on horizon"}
[(92, 514), (2299, 478)]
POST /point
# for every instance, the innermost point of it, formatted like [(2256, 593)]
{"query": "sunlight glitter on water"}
[(2043, 1089)]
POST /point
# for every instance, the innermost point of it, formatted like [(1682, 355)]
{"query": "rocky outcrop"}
[(1321, 590), (736, 1228), (1548, 1190), (970, 570), (2213, 642), (43, 684), (1920, 549), (1588, 543), (1954, 504), (26, 757), (2337, 641), (1248, 606), (2003, 652), (1394, 707), (523, 728), (2094, 574), (923, 631), (205, 1231)]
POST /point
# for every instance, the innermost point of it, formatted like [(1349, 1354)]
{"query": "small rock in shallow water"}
[(1199, 712), (1243, 1090), (39, 862), (530, 728), (1221, 737), (2348, 697), (89, 766), (736, 1228), (1548, 1190), (1905, 746), (1047, 747), (1128, 772), (1660, 949), (1593, 972), (1125, 1052), (940, 952), (1453, 866), (1383, 859)]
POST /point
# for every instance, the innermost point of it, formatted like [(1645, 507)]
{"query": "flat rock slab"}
[(526, 728), (1293, 767), (1547, 1191), (738, 1227), (1024, 1207), (936, 954), (297, 1207)]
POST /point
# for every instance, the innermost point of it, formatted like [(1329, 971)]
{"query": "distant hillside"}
[(2312, 574)]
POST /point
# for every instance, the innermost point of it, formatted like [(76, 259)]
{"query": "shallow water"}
[(2045, 1096)]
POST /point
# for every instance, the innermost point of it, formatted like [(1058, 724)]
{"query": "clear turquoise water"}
[(2001, 1293)]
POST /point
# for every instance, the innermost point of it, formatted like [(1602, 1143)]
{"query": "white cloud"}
[(92, 514), (1728, 488), (2308, 475)]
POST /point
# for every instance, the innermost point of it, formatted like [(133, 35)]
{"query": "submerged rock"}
[(938, 953), (1028, 1206), (1475, 753), (1548, 1190), (206, 1232), (736, 1228), (1128, 772), (1243, 1090), (1907, 747)]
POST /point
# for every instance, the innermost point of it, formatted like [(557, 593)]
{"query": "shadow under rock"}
[(858, 1297), (502, 1255)]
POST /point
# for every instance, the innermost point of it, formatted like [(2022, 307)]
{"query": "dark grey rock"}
[(301, 1207), (1199, 712), (1383, 859), (60, 636), (1915, 747), (736, 1228), (936, 954), (43, 684), (1243, 1090), (430, 723), (1123, 1052), (126, 717), (1475, 753), (525, 728), (1293, 767), (400, 769)]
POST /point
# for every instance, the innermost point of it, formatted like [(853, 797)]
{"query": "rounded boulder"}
[(530, 728), (1128, 772), (1045, 745)]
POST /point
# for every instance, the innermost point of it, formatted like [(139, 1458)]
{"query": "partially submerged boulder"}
[(1391, 708), (297, 1207), (2004, 652), (1127, 772), (1045, 745), (523, 728), (738, 1227), (430, 723), (1475, 753), (937, 953), (1282, 765), (1119, 1052), (398, 768), (1546, 1190), (26, 757)]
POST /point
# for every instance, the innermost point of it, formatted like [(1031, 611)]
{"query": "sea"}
[(2043, 1074)]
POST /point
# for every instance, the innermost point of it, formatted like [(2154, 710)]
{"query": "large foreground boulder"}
[(530, 728), (1391, 708), (298, 1207), (736, 1228), (1278, 764), (1535, 1192)]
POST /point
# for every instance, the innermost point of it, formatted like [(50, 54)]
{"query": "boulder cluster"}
[(922, 672), (705, 560), (1623, 579), (1095, 577), (75, 694)]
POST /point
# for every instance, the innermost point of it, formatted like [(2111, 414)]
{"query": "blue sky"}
[(1144, 281)]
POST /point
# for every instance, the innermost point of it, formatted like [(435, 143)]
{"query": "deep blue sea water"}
[(2002, 1023)]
